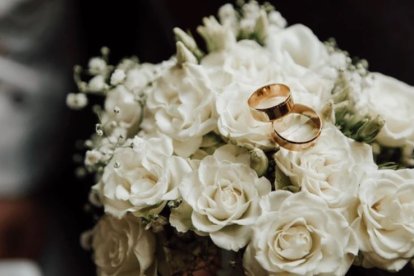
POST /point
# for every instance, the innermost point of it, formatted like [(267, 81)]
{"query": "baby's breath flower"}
[(97, 65), (76, 100), (118, 76)]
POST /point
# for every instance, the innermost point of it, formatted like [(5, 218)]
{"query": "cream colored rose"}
[(303, 56), (122, 247), (122, 107), (393, 101), (385, 224), (182, 102), (298, 45), (141, 179), (332, 170), (299, 234), (221, 198), (246, 62), (236, 121)]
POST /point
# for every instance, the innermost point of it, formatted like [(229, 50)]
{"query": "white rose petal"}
[(298, 44), (236, 121), (303, 56), (223, 194), (246, 62), (393, 101), (123, 247), (298, 234), (385, 224), (182, 102)]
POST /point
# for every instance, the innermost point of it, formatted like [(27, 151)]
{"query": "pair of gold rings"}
[(271, 103)]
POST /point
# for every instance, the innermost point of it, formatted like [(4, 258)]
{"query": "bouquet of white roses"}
[(191, 180)]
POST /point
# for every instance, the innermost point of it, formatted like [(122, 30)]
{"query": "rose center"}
[(229, 196), (145, 183), (293, 243)]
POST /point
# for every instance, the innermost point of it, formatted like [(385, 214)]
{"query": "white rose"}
[(302, 55), (332, 170), (299, 45), (222, 198), (123, 247), (393, 101), (249, 65), (141, 179), (298, 234), (235, 73), (236, 121), (122, 107), (385, 224), (182, 102), (246, 62)]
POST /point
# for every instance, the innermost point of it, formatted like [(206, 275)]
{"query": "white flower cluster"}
[(177, 148)]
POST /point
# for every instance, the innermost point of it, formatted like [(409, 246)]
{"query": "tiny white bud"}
[(92, 157), (118, 76), (276, 19), (105, 51), (76, 100), (184, 55), (80, 172), (83, 86), (186, 39), (89, 143), (262, 27), (98, 129), (259, 161), (97, 84), (97, 65)]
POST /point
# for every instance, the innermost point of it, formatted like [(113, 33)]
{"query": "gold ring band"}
[(315, 120), (265, 102)]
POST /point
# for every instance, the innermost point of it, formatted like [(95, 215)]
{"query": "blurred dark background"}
[(380, 31)]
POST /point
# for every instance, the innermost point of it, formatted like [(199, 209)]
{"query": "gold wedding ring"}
[(312, 118), (270, 102)]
